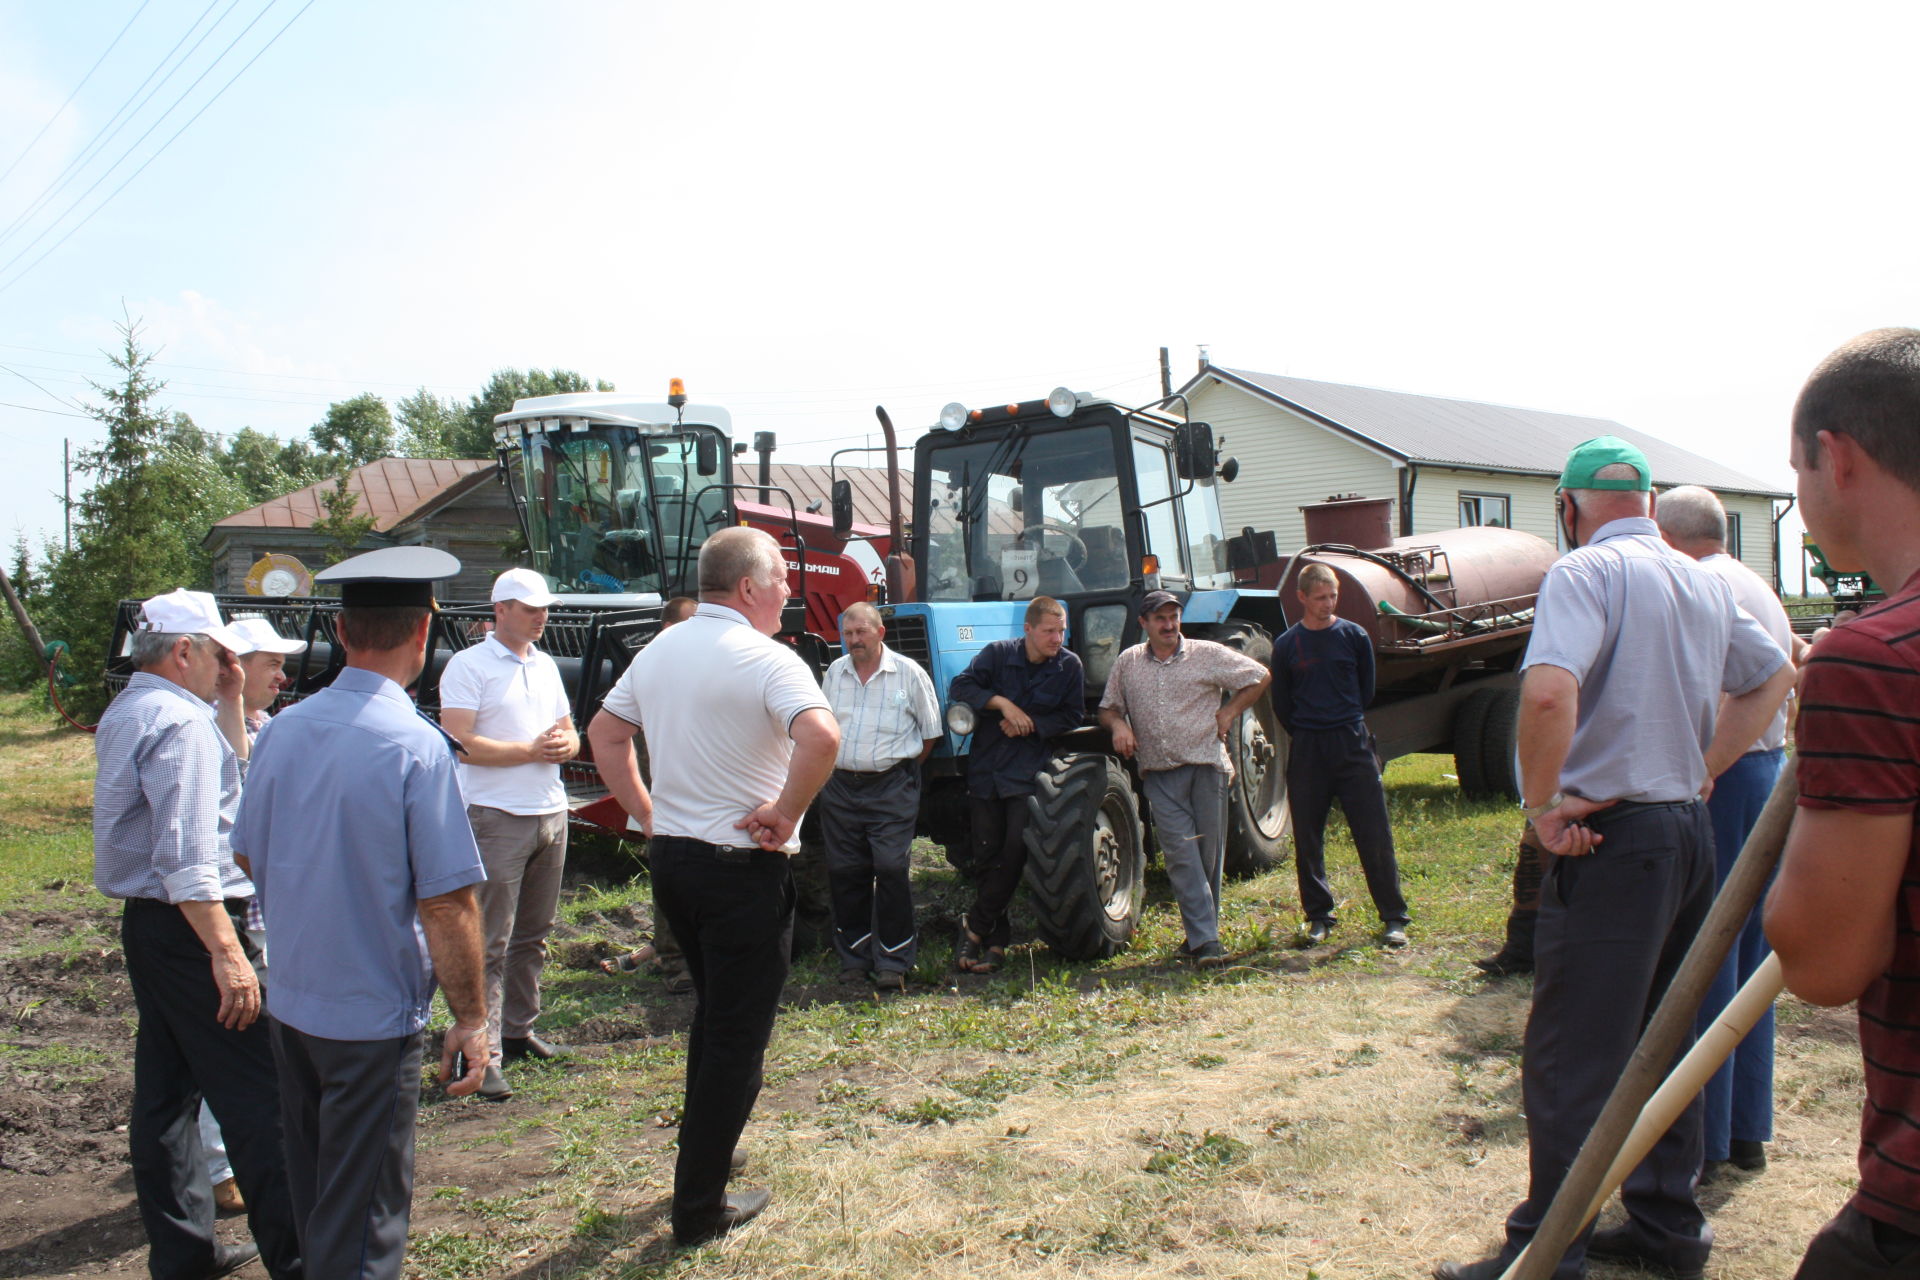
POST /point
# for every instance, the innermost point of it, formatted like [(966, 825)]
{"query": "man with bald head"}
[(739, 741), (1644, 681)]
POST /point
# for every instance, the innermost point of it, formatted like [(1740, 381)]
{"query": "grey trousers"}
[(868, 820), (525, 855), (348, 1108), (1189, 805)]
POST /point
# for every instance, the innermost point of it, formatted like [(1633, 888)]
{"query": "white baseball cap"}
[(184, 612), (524, 585), (262, 638)]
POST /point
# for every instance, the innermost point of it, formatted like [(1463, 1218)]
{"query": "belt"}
[(719, 852), (1641, 806), (875, 773)]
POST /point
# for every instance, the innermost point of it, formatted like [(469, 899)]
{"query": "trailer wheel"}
[(1258, 822), (1469, 742), (1086, 856), (1498, 737)]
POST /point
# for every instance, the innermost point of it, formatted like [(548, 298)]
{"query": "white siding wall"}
[(1756, 531), (1436, 499), (1286, 462)]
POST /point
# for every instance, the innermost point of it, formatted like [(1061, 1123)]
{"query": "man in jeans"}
[(1169, 704), (504, 701), (1322, 683)]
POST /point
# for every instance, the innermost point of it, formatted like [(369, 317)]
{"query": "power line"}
[(34, 408), (42, 390), (108, 131), (170, 141), (70, 97)]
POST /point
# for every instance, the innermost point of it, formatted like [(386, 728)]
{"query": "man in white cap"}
[(165, 793), (504, 700)]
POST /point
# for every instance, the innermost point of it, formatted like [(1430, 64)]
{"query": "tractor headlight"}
[(960, 718), (1061, 402), (953, 417)]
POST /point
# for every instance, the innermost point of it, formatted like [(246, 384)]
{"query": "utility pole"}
[(20, 617), (1166, 376), (66, 485)]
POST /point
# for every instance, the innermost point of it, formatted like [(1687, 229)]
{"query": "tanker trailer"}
[(1449, 614)]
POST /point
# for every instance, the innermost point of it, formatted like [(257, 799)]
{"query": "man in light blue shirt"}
[(356, 834), (164, 797)]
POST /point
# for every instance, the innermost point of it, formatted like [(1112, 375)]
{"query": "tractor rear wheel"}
[(1086, 856), (1259, 825)]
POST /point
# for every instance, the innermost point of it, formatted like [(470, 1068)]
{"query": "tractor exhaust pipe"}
[(900, 578)]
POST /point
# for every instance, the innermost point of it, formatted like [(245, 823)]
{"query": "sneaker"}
[(1316, 931), (1394, 935)]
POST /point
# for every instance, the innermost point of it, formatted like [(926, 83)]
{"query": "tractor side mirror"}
[(706, 455), (1193, 451), (842, 509)]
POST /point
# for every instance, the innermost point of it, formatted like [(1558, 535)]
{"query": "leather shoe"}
[(493, 1085), (1747, 1155), (1621, 1244), (1316, 931), (1504, 964), (741, 1207), (229, 1258), (1485, 1269), (514, 1048), (737, 1161)]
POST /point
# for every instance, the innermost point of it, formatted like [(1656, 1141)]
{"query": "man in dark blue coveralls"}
[(1322, 683)]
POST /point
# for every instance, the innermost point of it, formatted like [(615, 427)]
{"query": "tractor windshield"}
[(618, 510), (1023, 514)]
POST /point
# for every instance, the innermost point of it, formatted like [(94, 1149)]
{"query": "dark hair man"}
[(1322, 683), (1622, 725), (1844, 914), (163, 808), (356, 833), (1035, 688), (739, 740)]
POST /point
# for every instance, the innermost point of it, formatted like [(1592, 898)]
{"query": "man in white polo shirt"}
[(739, 740), (504, 701)]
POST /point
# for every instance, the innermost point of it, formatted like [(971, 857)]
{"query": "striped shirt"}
[(165, 789), (1858, 748), (885, 720)]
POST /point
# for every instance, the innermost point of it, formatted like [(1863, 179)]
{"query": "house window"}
[(1733, 534), (1485, 508)]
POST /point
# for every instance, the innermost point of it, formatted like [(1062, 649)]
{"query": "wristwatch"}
[(1530, 813)]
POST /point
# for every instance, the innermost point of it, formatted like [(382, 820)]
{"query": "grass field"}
[(1343, 1111)]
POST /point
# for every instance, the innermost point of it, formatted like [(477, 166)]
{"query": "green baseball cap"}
[(1590, 456)]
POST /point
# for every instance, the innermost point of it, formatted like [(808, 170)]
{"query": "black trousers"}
[(349, 1107), (732, 910), (1614, 926), (1856, 1247), (868, 821), (1324, 765), (999, 860), (181, 1054)]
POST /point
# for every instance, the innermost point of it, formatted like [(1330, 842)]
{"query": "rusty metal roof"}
[(811, 482), (1466, 433), (394, 491)]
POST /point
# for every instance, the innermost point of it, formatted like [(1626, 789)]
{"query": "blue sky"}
[(1660, 214)]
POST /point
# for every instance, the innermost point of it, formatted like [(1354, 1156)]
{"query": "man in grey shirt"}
[(1633, 646)]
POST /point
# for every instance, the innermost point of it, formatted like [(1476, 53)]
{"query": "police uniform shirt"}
[(1654, 640), (352, 813), (717, 701)]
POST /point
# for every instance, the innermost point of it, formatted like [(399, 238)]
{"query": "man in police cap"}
[(356, 835), (1633, 647)]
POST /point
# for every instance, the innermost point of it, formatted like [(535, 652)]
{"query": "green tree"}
[(474, 439), (266, 467), (428, 424), (356, 431), (343, 528)]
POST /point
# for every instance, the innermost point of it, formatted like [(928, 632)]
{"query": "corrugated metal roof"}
[(392, 490), (1467, 433), (810, 482)]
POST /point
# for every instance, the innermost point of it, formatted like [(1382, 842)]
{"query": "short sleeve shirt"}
[(351, 815), (883, 720), (1751, 593), (513, 699), (1654, 640), (716, 701), (1171, 704), (1857, 747)]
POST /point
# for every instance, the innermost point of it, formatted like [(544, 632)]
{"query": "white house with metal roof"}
[(1444, 463)]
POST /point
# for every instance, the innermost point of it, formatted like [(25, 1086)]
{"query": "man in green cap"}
[(1622, 725)]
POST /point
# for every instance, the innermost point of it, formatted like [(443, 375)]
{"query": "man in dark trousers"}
[(355, 831), (1025, 692), (1322, 683), (739, 741), (163, 805), (1644, 681), (1844, 914)]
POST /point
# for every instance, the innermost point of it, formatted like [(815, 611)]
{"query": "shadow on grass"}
[(593, 1244), (75, 1244)]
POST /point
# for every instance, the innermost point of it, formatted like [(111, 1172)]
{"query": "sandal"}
[(631, 962)]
